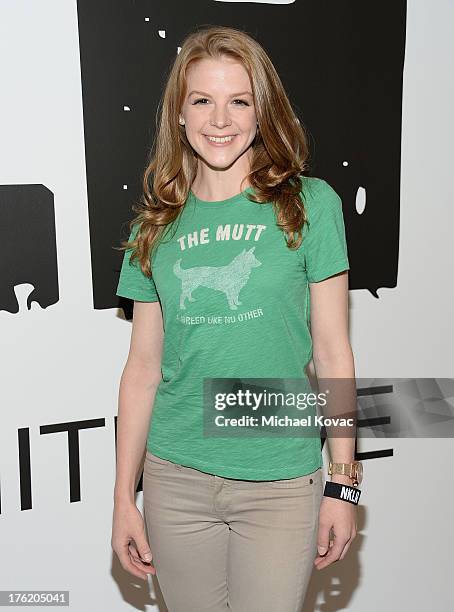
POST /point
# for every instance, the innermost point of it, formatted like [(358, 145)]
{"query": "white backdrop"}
[(64, 363)]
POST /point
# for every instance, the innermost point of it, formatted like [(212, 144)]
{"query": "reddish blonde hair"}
[(279, 151)]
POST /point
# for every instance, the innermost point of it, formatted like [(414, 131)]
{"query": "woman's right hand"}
[(129, 541)]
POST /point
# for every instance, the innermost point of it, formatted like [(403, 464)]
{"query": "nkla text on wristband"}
[(341, 491)]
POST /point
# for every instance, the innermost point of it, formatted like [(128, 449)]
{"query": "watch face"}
[(359, 472)]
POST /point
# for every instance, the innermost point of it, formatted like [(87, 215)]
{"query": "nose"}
[(220, 117)]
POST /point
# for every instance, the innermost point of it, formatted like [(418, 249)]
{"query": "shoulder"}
[(314, 186), (318, 195)]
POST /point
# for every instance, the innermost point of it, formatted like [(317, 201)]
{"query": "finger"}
[(146, 568), (127, 564), (344, 552), (143, 565), (347, 546), (133, 552), (324, 548), (334, 552), (145, 556), (320, 558), (323, 539), (144, 551)]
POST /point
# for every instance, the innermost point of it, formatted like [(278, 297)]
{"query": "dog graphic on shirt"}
[(230, 278)]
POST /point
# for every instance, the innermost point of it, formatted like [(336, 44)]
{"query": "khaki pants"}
[(221, 544)]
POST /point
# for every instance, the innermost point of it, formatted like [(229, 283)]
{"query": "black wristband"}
[(341, 491)]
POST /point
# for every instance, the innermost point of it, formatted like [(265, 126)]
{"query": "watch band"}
[(353, 470)]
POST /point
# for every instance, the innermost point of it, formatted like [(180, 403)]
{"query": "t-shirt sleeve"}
[(324, 247), (132, 282)]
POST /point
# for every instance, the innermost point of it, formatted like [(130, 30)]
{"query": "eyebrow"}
[(202, 93)]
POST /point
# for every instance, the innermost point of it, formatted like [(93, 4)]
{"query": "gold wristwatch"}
[(352, 470)]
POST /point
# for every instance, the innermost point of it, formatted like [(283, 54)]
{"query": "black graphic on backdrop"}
[(345, 85), (28, 251), (387, 408)]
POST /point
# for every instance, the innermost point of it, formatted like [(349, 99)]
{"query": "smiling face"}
[(219, 113)]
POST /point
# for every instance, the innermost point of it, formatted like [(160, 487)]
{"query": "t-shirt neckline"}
[(221, 203)]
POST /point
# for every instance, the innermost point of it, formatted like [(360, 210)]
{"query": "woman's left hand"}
[(338, 516)]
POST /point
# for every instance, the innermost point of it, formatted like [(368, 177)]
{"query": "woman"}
[(233, 521)]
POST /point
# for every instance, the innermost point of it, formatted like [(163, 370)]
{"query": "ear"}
[(251, 249)]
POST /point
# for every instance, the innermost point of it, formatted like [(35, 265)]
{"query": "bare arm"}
[(333, 358), (332, 353), (138, 384)]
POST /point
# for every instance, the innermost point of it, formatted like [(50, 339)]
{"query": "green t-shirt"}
[(235, 304)]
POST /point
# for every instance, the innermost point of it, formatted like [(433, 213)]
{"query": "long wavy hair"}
[(280, 148)]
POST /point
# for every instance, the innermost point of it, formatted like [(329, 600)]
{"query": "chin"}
[(219, 160), (218, 165)]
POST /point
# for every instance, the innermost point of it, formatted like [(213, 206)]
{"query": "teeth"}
[(225, 139)]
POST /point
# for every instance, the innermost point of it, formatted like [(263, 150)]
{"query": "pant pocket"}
[(155, 463), (308, 480)]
